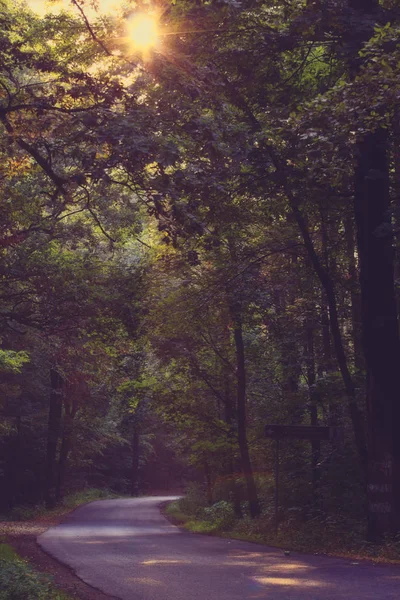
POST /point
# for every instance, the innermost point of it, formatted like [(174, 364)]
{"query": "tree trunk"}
[(315, 444), (229, 420), (380, 333), (241, 412), (327, 284), (235, 312), (53, 434), (355, 297), (66, 443), (135, 458), (396, 211), (209, 487)]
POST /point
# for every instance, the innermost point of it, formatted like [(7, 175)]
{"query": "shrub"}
[(193, 501), (19, 582), (221, 514), (25, 512), (87, 495)]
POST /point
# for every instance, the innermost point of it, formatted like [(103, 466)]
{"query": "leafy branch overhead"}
[(196, 240)]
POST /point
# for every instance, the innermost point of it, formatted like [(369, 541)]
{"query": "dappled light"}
[(102, 7), (290, 581), (165, 561), (146, 581), (101, 542)]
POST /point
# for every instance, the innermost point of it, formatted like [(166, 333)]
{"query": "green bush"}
[(25, 512), (19, 582), (88, 495), (221, 514), (193, 501)]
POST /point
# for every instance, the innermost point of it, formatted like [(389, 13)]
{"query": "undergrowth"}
[(18, 581), (27, 513), (335, 536)]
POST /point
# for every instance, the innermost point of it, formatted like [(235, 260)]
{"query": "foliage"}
[(221, 514), (11, 361), (18, 581), (336, 535), (193, 501), (88, 495), (7, 552), (178, 246)]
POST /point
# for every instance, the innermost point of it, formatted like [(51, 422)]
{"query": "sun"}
[(143, 31)]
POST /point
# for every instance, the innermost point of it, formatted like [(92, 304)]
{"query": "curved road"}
[(128, 550)]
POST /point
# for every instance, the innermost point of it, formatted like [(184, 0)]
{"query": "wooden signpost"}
[(296, 432)]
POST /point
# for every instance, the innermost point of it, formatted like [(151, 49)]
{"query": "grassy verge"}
[(333, 537), (39, 512), (19, 581), (25, 580)]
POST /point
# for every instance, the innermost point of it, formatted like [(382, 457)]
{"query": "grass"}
[(189, 522), (88, 495), (71, 501), (19, 581), (7, 552), (330, 536)]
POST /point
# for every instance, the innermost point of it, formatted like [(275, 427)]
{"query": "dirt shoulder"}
[(21, 535)]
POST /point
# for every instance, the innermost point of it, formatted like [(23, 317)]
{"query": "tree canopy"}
[(197, 240)]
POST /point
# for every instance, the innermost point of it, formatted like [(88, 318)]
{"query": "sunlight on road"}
[(144, 581), (125, 548), (292, 566), (108, 531), (292, 581), (162, 561)]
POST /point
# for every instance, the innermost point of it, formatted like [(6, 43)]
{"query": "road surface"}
[(129, 550)]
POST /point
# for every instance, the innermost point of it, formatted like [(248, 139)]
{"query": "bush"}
[(193, 501), (26, 512), (221, 514), (19, 582), (88, 495)]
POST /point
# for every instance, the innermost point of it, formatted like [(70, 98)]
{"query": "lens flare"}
[(143, 31)]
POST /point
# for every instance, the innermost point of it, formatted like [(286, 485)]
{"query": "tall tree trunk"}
[(396, 211), (315, 444), (380, 333), (229, 420), (235, 312), (327, 284), (135, 458), (209, 486), (355, 297), (66, 443), (241, 411), (53, 434), (325, 364)]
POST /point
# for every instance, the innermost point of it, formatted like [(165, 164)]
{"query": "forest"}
[(198, 239)]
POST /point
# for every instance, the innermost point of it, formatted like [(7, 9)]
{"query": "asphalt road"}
[(128, 550)]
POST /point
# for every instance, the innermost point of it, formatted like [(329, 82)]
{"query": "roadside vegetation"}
[(336, 536), (71, 501), (19, 581)]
